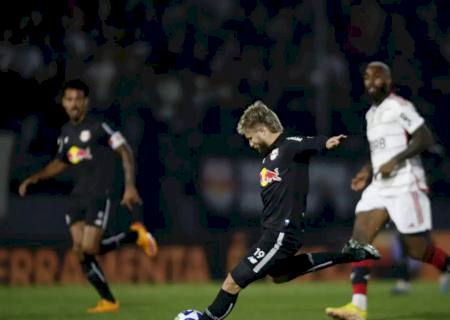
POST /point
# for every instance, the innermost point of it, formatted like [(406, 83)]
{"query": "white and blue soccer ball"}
[(188, 315)]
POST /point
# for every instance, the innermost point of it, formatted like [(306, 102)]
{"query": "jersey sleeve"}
[(114, 137), (409, 118), (310, 145)]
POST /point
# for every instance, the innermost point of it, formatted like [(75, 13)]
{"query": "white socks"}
[(360, 300)]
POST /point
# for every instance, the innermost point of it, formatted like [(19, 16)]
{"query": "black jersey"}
[(89, 148), (284, 180)]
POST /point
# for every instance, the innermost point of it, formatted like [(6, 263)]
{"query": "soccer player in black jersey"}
[(92, 148), (284, 186)]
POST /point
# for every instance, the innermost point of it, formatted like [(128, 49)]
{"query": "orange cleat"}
[(105, 306), (145, 239)]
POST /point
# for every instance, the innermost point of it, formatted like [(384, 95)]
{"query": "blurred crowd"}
[(175, 76)]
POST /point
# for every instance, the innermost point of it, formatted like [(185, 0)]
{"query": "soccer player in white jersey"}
[(398, 191)]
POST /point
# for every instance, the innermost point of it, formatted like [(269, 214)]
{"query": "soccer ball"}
[(188, 315)]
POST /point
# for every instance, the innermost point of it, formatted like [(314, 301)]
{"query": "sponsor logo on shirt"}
[(75, 154), (268, 176), (252, 260), (406, 119)]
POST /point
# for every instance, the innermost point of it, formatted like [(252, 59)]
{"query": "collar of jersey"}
[(280, 138), (86, 119), (383, 101)]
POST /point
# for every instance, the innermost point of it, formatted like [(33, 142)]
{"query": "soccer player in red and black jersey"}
[(91, 147), (284, 180)]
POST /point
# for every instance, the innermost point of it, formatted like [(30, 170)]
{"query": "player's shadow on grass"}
[(429, 315)]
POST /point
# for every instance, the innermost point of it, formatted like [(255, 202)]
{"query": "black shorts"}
[(263, 258), (94, 211)]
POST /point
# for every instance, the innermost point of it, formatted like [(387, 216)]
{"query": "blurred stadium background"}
[(175, 77)]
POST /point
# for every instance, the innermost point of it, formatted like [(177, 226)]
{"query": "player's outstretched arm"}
[(312, 145), (55, 167), (131, 195), (421, 140)]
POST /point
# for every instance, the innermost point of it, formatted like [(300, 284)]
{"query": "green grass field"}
[(292, 301)]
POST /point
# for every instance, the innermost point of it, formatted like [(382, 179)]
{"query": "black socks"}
[(305, 263), (116, 241), (221, 306), (95, 276)]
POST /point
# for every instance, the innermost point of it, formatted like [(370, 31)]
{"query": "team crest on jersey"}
[(274, 154), (85, 136), (268, 176)]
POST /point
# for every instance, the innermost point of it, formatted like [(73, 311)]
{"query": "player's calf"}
[(224, 301), (96, 277), (221, 306), (437, 257), (305, 263)]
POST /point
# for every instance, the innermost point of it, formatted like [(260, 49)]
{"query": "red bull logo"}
[(268, 176), (75, 154)]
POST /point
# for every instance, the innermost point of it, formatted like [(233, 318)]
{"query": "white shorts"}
[(410, 211)]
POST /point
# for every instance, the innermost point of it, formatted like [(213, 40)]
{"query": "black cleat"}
[(359, 251)]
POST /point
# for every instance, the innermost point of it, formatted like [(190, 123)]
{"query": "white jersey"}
[(389, 126)]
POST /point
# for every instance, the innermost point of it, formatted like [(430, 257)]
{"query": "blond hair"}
[(259, 114)]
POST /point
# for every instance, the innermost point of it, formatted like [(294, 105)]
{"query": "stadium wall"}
[(23, 266)]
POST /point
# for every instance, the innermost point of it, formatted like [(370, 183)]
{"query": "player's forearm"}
[(317, 143), (51, 170), (421, 140), (128, 165)]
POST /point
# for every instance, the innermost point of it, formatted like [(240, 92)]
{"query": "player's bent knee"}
[(230, 286)]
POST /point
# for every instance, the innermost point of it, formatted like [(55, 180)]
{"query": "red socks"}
[(360, 276), (436, 257)]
